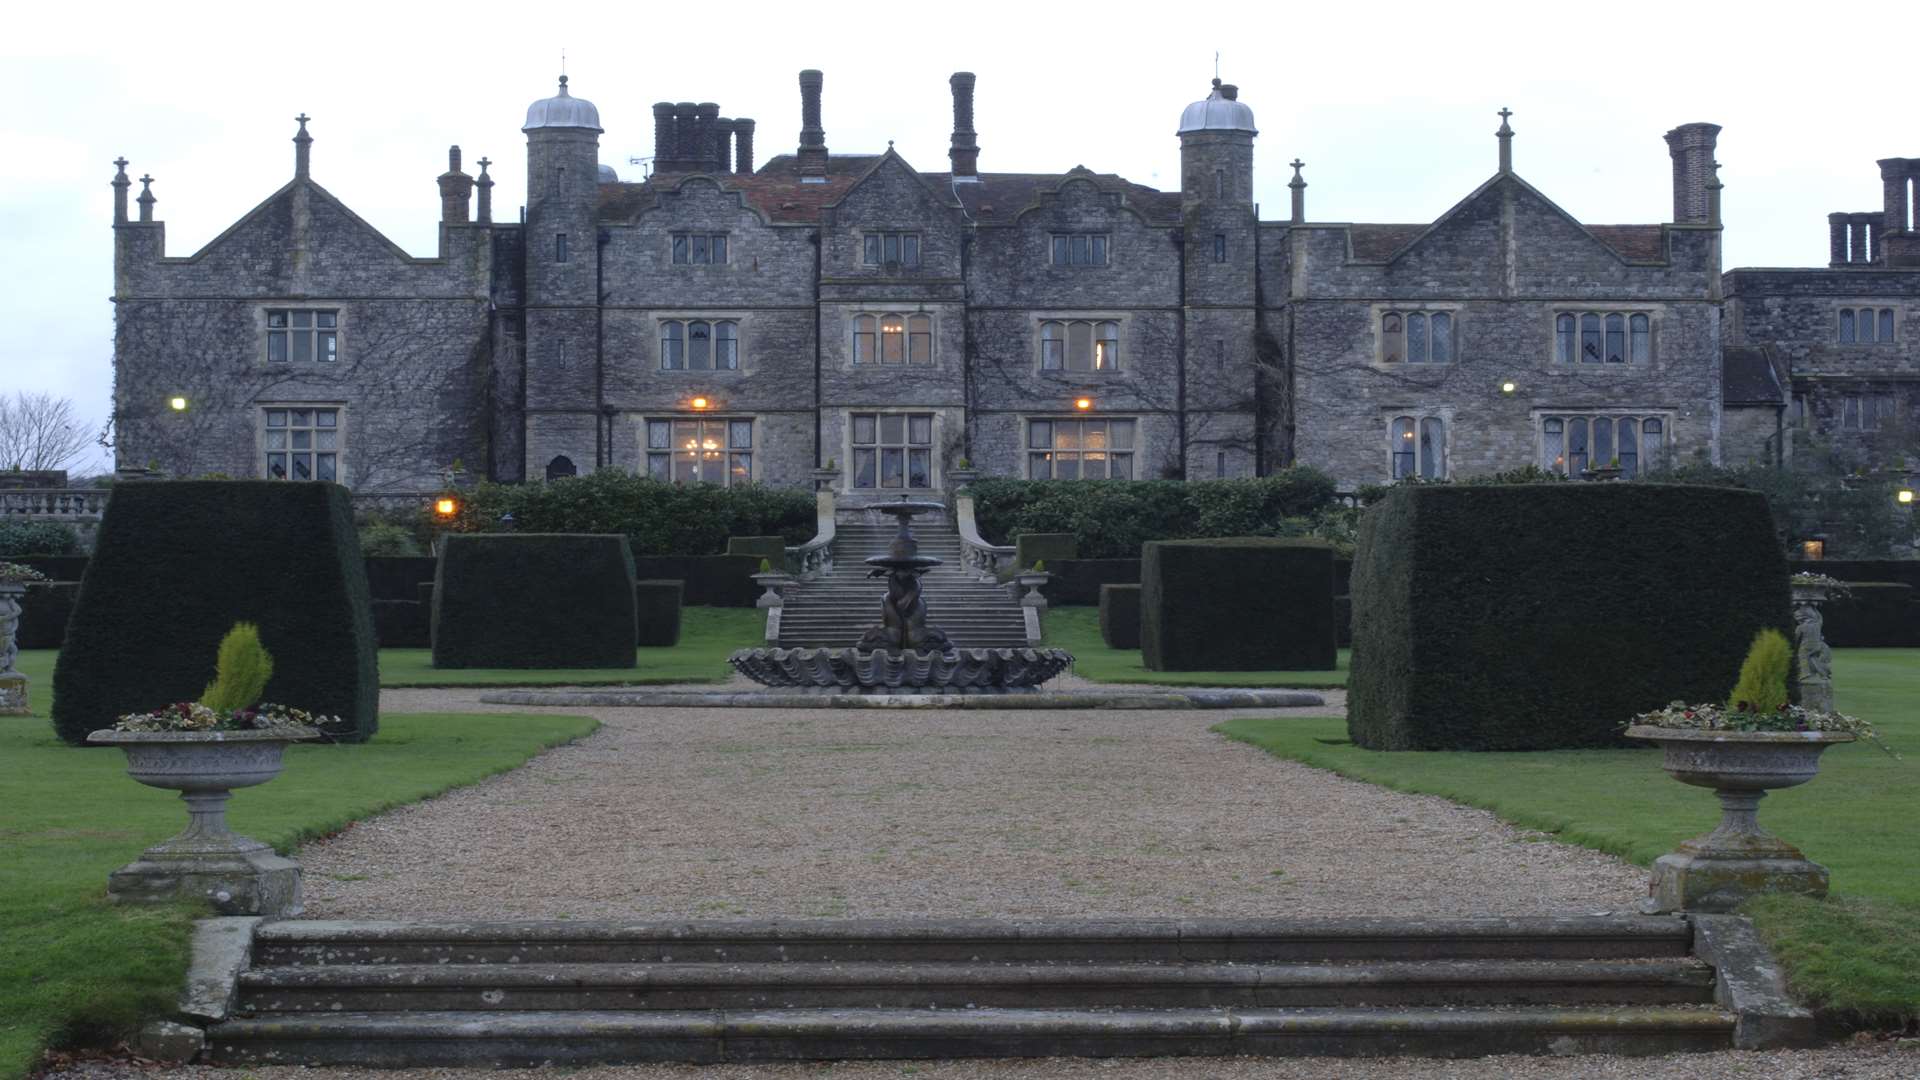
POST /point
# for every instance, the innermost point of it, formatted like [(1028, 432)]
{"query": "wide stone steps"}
[(834, 610), (520, 994)]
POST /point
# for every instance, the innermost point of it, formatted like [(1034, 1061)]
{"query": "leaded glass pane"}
[(276, 438), (1416, 339), (739, 468), (1589, 339), (1577, 444), (300, 417), (1079, 346), (892, 467), (871, 255), (277, 318), (1066, 466), (1553, 450), (1846, 326), (276, 418), (1433, 448), (326, 320), (719, 249), (1616, 339), (660, 466), (713, 467), (277, 347), (1039, 466), (920, 430), (1864, 319), (277, 466), (1392, 347), (1402, 446), (1629, 447), (326, 417), (863, 428), (1066, 435), (1886, 324), (686, 467), (919, 468), (680, 249), (1442, 351), (1052, 346), (1082, 250), (326, 439), (1123, 466), (1095, 436), (1563, 339), (893, 345), (302, 347), (1122, 434), (1061, 254), (740, 434), (672, 346), (910, 250), (659, 435), (893, 429), (302, 320), (1106, 355), (1099, 251), (1602, 442), (329, 346), (1850, 413), (303, 466), (1652, 441), (700, 250), (325, 467), (1642, 329), (863, 468), (699, 346), (1040, 435), (892, 242), (726, 346)]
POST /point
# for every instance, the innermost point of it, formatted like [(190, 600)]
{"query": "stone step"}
[(524, 1039), (833, 985), (317, 941)]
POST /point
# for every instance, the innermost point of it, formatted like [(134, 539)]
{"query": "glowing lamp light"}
[(1813, 549), (1508, 387), (446, 507), (1904, 497), (699, 403), (177, 403), (1083, 403)]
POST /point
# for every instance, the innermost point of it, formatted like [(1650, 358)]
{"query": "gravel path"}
[(720, 813)]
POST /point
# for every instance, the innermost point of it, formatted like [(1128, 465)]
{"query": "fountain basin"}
[(880, 671)]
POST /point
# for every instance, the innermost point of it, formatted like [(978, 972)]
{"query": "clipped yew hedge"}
[(534, 600), (1874, 615), (1543, 616), (1245, 603), (657, 518), (1120, 616), (657, 604), (178, 563), (1110, 519)]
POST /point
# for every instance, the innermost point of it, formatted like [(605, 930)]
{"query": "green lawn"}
[(1859, 955), (75, 969), (707, 635), (1077, 630)]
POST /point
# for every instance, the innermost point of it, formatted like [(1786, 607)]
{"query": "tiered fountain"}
[(904, 654)]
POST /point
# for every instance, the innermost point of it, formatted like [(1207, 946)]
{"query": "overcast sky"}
[(1391, 106)]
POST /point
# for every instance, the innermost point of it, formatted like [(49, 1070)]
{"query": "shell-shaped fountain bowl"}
[(879, 671)]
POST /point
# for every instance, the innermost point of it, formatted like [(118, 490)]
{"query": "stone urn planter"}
[(824, 476), (961, 477), (1602, 473), (1738, 859), (237, 875), (13, 685), (772, 581)]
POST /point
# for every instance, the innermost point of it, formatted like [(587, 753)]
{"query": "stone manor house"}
[(727, 321)]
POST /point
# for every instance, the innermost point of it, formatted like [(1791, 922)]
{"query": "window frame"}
[(1882, 325), (1573, 330), (1392, 327), (877, 244), (908, 448), (1057, 342), (1053, 453), (1642, 457), (264, 453), (1409, 432), (722, 329), (868, 345), (324, 328), (713, 248), (727, 453), (1081, 250), (1869, 411)]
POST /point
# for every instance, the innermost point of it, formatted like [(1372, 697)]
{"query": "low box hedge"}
[(56, 567), (1544, 616), (1120, 616), (657, 604), (711, 580), (771, 548), (1076, 582), (1876, 615), (44, 612), (402, 624), (176, 564), (1237, 604), (394, 577), (534, 600), (1030, 548)]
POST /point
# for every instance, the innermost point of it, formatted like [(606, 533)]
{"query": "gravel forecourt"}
[(715, 813)]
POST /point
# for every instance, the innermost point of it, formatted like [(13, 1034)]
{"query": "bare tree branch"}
[(40, 431)]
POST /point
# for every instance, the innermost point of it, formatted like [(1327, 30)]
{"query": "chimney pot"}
[(1691, 147), (743, 147), (965, 149), (812, 155)]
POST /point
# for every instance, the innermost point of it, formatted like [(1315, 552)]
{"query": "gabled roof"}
[(286, 192), (1748, 377), (1628, 243)]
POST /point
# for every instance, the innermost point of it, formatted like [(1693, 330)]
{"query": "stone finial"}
[(1505, 135), (120, 186), (1299, 186), (302, 149), (146, 199), (485, 184), (1714, 187)]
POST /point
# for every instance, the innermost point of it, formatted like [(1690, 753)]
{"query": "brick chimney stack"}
[(965, 152), (743, 147), (1899, 237), (812, 155), (662, 134), (456, 189), (1691, 146)]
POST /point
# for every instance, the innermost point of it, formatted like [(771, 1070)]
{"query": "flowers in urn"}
[(231, 702), (16, 574), (1759, 701)]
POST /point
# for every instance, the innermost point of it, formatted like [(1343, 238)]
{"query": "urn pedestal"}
[(1738, 860), (234, 874), (13, 685)]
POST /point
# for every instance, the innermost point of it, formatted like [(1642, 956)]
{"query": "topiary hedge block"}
[(178, 563), (44, 612), (1030, 548), (394, 577), (1237, 604), (1543, 616), (771, 548), (657, 603), (534, 600), (1077, 582), (1878, 615), (1120, 616), (401, 624)]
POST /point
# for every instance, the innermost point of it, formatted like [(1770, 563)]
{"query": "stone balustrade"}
[(981, 559)]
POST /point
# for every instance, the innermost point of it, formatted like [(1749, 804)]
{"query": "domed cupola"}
[(563, 110), (1221, 111)]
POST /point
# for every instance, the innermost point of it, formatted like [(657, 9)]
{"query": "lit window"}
[(1417, 447), (699, 248), (891, 249), (1080, 449), (1597, 337), (699, 345), (1080, 345), (893, 339), (297, 335), (1572, 444), (1417, 337), (892, 450), (1079, 249), (301, 442), (703, 451)]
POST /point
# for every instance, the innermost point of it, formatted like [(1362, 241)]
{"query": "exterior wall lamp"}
[(1083, 404), (700, 403), (177, 403)]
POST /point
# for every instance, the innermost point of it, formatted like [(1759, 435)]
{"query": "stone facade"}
[(757, 313)]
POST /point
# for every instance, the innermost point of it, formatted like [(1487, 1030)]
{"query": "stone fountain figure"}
[(903, 653)]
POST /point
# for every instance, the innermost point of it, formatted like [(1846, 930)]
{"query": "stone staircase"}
[(834, 610), (523, 994)]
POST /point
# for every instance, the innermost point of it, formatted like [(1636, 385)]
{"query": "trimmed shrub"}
[(401, 624), (657, 605), (57, 567), (1110, 519), (385, 540), (36, 538), (657, 518), (1030, 548), (44, 612), (1543, 616), (241, 669), (1237, 604), (1879, 614), (1076, 582), (771, 548), (1120, 616), (423, 593), (396, 577), (1342, 576), (177, 564), (1762, 687), (1342, 620), (534, 600), (711, 580)]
